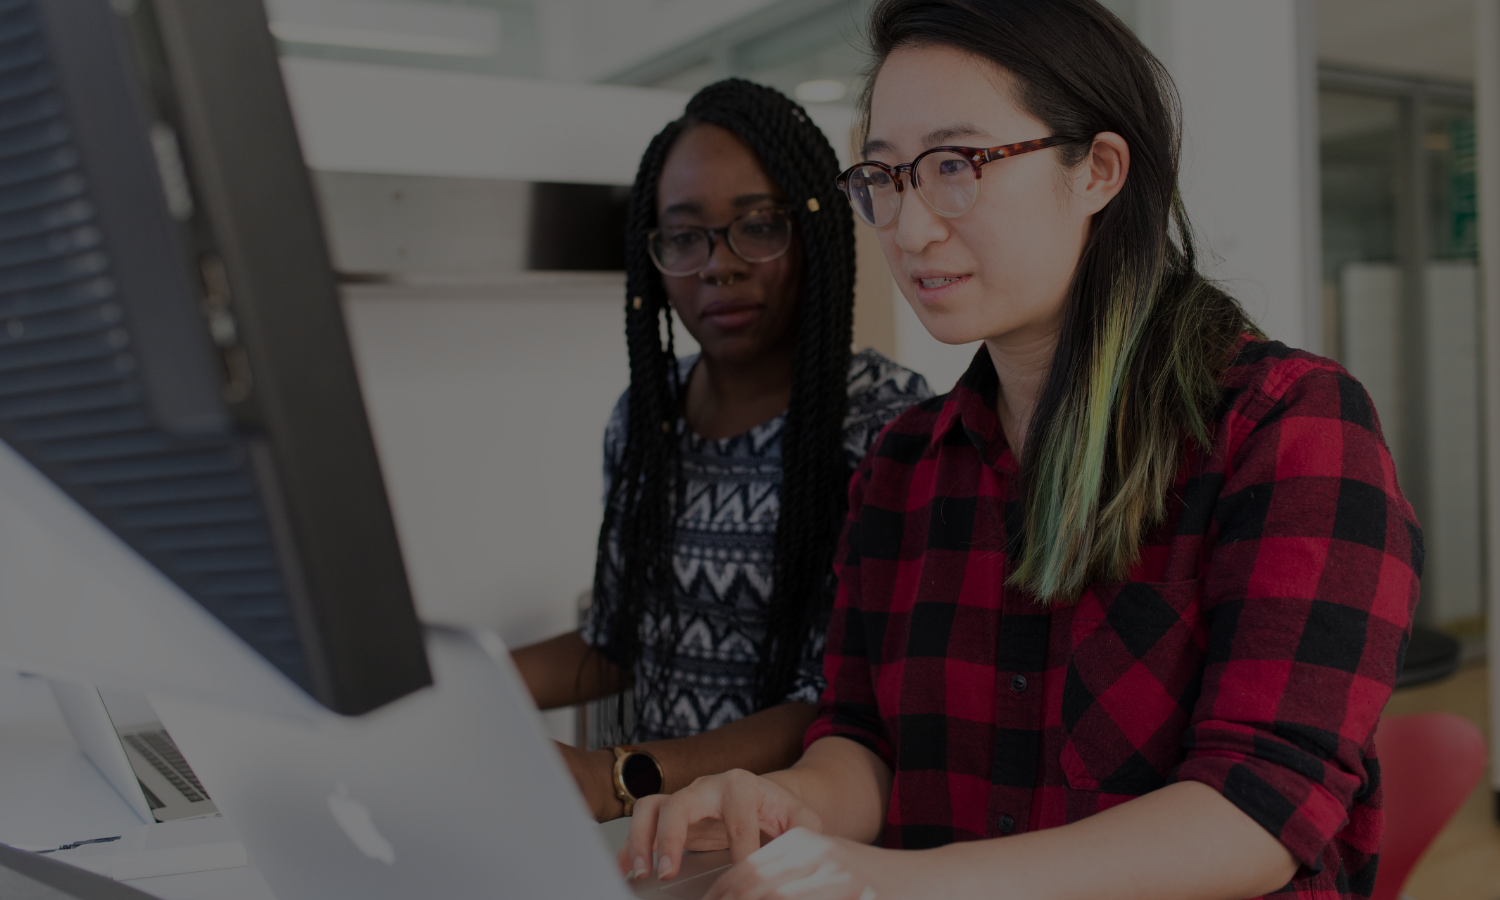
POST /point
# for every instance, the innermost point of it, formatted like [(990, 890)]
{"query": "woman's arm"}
[(760, 742), (564, 671), (1183, 842)]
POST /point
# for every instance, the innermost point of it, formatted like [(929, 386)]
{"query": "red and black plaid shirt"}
[(1252, 649)]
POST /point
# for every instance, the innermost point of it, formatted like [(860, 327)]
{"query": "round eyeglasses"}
[(946, 177), (758, 236)]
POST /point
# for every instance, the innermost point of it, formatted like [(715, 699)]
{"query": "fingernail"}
[(642, 868), (663, 866)]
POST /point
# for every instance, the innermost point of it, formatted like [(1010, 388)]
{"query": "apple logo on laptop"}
[(354, 817)]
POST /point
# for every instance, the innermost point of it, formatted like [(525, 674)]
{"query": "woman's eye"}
[(682, 238), (950, 167)]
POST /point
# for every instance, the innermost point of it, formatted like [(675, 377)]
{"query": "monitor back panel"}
[(172, 352)]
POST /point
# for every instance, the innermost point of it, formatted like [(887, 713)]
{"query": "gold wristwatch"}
[(637, 774)]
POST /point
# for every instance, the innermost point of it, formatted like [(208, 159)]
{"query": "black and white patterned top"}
[(725, 538)]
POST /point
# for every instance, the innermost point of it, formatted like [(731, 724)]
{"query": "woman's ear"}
[(1103, 173)]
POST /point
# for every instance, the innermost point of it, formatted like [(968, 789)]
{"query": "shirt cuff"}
[(831, 725), (592, 637), (1299, 812)]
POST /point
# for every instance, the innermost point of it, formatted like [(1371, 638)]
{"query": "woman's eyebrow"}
[(935, 138), (940, 136), (686, 207), (752, 199)]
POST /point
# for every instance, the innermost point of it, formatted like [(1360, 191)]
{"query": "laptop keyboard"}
[(158, 749)]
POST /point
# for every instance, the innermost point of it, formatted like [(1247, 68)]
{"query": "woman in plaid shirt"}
[(1118, 615)]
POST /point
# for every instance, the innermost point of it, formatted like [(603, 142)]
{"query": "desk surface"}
[(51, 795)]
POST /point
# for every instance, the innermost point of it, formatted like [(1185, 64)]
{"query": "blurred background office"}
[(472, 157)]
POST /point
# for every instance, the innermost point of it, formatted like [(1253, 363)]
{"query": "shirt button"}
[(1007, 824), (1018, 683)]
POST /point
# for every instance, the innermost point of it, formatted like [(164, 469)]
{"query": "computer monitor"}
[(172, 351)]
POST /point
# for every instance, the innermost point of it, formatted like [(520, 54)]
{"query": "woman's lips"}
[(728, 315), (934, 287)]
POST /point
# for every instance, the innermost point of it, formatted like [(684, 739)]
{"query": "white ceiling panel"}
[(1429, 38)]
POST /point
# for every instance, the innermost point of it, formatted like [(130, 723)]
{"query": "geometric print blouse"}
[(722, 559)]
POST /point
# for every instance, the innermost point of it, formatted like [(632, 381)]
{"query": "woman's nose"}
[(723, 264)]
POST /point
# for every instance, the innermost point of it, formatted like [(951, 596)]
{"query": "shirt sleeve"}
[(848, 705), (593, 626), (1308, 599)]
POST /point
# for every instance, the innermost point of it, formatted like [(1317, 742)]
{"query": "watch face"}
[(641, 776)]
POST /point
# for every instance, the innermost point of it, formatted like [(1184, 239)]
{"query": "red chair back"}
[(1429, 764)]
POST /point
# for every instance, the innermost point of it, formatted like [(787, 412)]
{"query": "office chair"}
[(1429, 763)]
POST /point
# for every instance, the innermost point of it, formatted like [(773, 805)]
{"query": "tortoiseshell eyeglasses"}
[(946, 177)]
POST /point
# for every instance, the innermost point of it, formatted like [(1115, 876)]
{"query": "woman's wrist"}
[(594, 770), (792, 781)]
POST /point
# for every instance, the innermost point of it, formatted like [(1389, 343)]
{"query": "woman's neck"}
[(725, 398), (1022, 360)]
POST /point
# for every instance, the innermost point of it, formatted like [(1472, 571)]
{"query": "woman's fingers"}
[(635, 856), (703, 799), (736, 804)]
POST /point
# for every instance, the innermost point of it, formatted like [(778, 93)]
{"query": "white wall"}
[(353, 117), (488, 407), (587, 40), (1247, 75)]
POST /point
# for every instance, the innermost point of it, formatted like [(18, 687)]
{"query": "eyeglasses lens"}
[(755, 237), (680, 251), (760, 236), (873, 194), (947, 182)]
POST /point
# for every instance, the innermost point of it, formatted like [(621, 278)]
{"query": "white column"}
[(1487, 107), (1247, 74)]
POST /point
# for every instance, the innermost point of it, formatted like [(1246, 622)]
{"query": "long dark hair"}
[(634, 575), (1145, 338)]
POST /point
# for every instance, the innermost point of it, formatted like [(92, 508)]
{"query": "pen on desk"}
[(77, 844)]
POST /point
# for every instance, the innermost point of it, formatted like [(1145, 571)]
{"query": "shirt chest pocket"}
[(1134, 671)]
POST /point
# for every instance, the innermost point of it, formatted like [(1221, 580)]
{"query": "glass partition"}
[(1400, 283)]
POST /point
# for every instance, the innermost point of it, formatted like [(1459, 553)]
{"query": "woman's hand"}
[(803, 865), (729, 810), (595, 773)]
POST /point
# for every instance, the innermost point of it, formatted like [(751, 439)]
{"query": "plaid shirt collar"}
[(970, 406)]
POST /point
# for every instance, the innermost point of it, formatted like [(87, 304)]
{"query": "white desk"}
[(51, 795)]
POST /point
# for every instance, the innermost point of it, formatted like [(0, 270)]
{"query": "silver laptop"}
[(133, 752), (452, 792)]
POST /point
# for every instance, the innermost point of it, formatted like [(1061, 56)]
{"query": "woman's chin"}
[(950, 326)]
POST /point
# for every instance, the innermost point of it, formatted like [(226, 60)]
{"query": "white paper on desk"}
[(166, 848)]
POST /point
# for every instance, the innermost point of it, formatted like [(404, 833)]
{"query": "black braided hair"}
[(634, 575)]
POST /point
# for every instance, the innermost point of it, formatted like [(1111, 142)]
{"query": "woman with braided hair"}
[(727, 472)]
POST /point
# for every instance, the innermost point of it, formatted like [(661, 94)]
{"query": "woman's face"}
[(737, 311), (1000, 271)]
